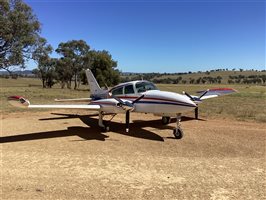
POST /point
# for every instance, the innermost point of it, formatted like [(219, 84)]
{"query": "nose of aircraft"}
[(186, 101), (183, 103)]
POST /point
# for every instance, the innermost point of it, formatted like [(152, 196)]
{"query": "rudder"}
[(93, 84)]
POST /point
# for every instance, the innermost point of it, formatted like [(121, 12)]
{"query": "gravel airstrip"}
[(48, 155)]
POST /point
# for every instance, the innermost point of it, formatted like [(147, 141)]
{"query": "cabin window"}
[(144, 86), (117, 91), (129, 89)]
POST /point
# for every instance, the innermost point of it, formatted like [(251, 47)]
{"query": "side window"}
[(117, 91), (129, 89)]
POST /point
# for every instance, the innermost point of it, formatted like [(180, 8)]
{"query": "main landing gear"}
[(165, 120), (178, 132), (102, 124)]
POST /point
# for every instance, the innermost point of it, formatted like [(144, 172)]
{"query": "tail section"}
[(95, 89)]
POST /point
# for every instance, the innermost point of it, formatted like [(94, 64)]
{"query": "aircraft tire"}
[(105, 129), (165, 120), (178, 133)]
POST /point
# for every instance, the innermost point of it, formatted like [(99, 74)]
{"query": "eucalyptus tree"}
[(45, 69), (103, 67), (19, 32), (74, 53)]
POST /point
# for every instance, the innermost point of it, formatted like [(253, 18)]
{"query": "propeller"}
[(191, 98), (196, 99), (204, 93), (128, 106)]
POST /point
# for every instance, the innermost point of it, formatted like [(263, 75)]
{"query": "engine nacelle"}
[(127, 106)]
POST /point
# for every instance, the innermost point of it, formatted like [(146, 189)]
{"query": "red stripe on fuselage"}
[(149, 98)]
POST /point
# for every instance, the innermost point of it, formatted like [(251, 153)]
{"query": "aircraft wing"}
[(204, 97), (210, 93), (74, 100), (209, 96), (19, 101), (215, 92)]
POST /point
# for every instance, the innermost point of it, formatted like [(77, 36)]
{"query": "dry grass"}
[(248, 104), (224, 74)]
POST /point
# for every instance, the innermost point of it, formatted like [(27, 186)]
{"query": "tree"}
[(263, 77), (103, 67), (45, 64), (219, 79), (19, 33), (198, 80), (191, 80), (64, 72), (74, 52)]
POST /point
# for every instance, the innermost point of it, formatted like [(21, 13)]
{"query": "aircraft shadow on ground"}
[(92, 132), (82, 132)]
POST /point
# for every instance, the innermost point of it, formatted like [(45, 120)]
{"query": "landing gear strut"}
[(197, 113), (104, 128), (178, 132)]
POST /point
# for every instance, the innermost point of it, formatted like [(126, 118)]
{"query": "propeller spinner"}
[(195, 99)]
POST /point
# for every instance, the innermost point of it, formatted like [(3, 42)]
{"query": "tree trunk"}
[(69, 84), (63, 85), (43, 83), (79, 81), (75, 81)]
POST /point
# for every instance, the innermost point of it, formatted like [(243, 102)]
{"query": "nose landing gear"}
[(178, 132)]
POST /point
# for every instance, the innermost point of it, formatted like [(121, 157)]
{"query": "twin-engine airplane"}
[(135, 96)]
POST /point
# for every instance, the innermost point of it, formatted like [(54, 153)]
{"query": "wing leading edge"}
[(20, 101)]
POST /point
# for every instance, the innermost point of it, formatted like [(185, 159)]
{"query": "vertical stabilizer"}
[(93, 84)]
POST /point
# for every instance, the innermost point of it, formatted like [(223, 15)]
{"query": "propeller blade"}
[(191, 98), (118, 99), (204, 94), (127, 121), (139, 98)]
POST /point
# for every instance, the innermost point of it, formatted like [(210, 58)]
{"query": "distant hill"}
[(213, 76), (25, 72), (221, 76)]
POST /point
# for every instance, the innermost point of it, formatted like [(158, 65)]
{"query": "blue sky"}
[(161, 36)]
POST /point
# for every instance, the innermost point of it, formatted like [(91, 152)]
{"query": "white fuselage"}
[(154, 101)]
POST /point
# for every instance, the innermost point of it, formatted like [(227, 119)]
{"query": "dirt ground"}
[(64, 156)]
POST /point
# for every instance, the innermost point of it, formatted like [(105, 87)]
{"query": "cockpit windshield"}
[(144, 86)]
